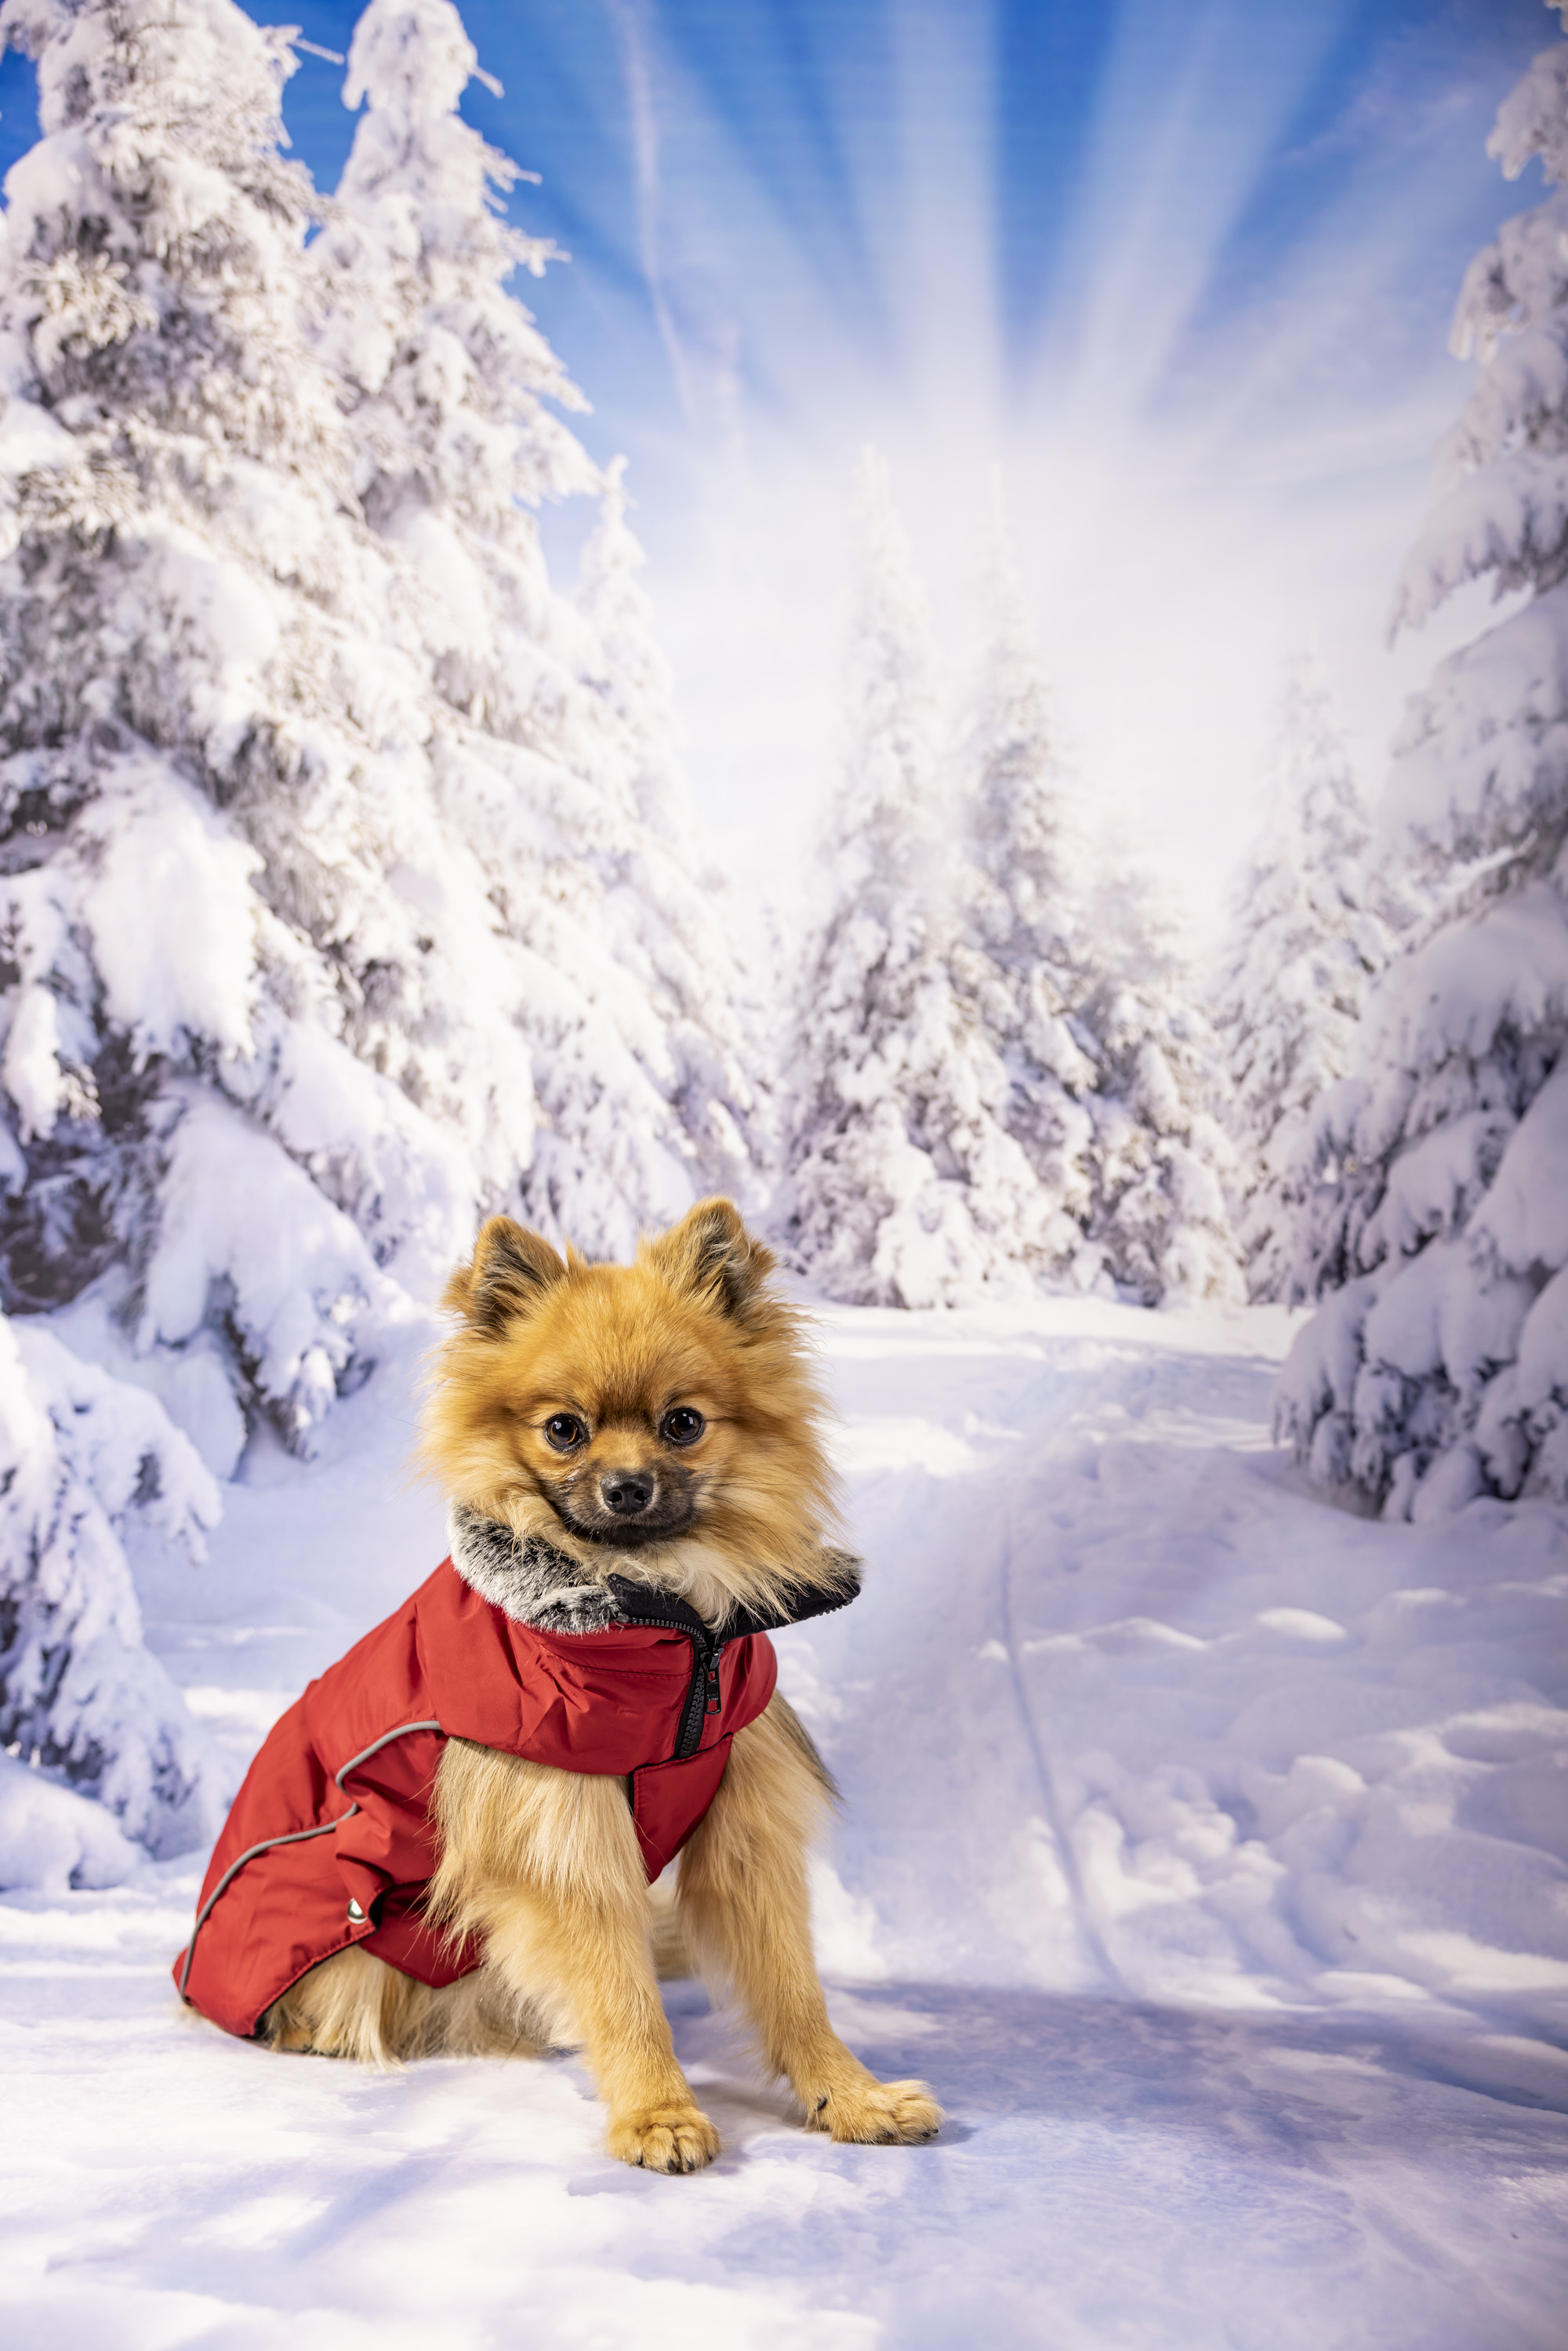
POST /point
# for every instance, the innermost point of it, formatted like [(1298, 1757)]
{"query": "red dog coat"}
[(330, 1843)]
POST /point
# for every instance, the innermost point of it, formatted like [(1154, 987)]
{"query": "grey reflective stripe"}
[(376, 1745), (294, 1836)]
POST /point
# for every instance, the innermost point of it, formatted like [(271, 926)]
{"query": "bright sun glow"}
[(1214, 450)]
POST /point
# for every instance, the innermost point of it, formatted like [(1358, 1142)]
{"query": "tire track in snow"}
[(1055, 1820)]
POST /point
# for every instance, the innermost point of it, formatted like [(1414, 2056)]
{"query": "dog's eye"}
[(563, 1430), (683, 1425)]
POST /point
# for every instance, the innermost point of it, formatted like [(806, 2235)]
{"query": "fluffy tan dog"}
[(658, 1425)]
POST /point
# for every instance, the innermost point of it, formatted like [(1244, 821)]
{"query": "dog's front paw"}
[(878, 2114), (664, 2139)]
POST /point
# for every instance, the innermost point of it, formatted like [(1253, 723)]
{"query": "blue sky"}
[(1185, 272)]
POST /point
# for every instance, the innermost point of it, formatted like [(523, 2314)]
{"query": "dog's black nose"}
[(626, 1491)]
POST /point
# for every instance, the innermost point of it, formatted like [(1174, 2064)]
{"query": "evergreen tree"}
[(445, 374), (1018, 959), (81, 1457), (1160, 1158), (555, 771), (250, 977), (903, 1188), (1441, 1370), (678, 911), (631, 679), (1309, 932)]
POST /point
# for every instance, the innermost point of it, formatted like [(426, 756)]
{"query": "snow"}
[(1204, 1845), (52, 1839), (31, 1067), (228, 1184), (1526, 1211), (151, 845)]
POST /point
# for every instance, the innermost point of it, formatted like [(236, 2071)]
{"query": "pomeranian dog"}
[(633, 1460)]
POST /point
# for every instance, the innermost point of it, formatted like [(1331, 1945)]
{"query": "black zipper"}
[(708, 1647), (702, 1692)]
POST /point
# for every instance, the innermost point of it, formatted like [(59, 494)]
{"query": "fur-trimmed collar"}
[(534, 1583), (526, 1577)]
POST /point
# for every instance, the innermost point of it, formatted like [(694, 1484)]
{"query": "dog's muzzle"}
[(625, 1508)]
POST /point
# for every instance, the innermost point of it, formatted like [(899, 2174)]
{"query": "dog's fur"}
[(544, 1864)]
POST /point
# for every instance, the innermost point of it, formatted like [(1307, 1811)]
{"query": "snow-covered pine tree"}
[(445, 374), (81, 1456), (1309, 931), (554, 770), (674, 911), (632, 681), (256, 1032), (1442, 1371), (1160, 1158), (1018, 957), (903, 1189)]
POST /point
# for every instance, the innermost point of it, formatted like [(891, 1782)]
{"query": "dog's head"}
[(665, 1408)]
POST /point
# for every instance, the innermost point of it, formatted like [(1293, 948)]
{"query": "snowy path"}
[(1203, 1846)]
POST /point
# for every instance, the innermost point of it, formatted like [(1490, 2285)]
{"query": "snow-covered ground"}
[(1203, 1846)]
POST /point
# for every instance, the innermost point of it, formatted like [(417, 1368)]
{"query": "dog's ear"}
[(712, 1257), (512, 1269)]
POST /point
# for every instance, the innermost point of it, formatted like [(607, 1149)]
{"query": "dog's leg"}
[(545, 1865), (354, 2005), (667, 1929), (743, 1893)]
